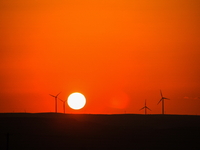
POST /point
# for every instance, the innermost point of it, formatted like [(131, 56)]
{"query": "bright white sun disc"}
[(76, 101)]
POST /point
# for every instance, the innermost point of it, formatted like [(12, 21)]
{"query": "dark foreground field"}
[(48, 131)]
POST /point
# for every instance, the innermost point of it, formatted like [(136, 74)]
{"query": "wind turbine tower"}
[(145, 108), (63, 104), (162, 99), (55, 100)]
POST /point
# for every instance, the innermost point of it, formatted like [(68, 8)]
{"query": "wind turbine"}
[(55, 100), (145, 108), (162, 99), (63, 104)]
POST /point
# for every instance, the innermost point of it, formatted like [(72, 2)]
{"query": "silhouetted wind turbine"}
[(55, 100), (162, 99), (63, 104), (145, 108)]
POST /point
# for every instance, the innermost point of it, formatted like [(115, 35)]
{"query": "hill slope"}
[(86, 131)]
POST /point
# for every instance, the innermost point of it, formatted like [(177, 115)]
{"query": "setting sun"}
[(76, 101)]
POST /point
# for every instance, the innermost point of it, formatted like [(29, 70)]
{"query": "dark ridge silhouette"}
[(52, 131)]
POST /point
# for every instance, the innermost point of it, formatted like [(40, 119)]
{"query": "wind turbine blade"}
[(142, 108), (161, 93), (165, 98), (58, 94), (61, 100), (52, 95), (160, 101), (148, 108)]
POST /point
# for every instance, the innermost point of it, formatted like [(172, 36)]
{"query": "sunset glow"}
[(117, 52)]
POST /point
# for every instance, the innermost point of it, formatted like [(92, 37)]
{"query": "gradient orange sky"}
[(116, 52)]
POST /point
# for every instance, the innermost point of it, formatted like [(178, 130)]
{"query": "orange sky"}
[(116, 52)]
